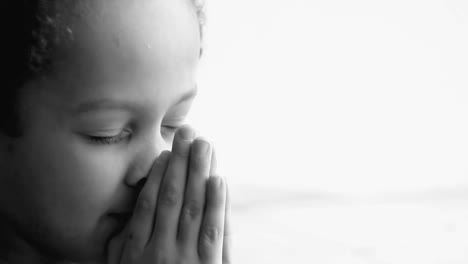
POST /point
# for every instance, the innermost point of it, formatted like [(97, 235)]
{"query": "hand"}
[(181, 215)]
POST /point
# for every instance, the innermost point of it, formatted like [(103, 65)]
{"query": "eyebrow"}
[(107, 103)]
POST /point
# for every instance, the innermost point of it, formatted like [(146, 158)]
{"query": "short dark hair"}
[(24, 55)]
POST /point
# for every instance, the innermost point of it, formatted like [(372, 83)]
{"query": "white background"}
[(341, 126)]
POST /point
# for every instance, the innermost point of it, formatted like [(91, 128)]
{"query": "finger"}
[(172, 189), (210, 239), (195, 190), (116, 246), (141, 223), (227, 238), (214, 162)]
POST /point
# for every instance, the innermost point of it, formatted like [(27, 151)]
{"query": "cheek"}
[(100, 175), (70, 174), (66, 190)]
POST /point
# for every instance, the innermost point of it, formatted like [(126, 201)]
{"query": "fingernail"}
[(186, 133), (203, 147)]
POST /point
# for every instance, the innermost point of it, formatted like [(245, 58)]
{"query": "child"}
[(94, 92)]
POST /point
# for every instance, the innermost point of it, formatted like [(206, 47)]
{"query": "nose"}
[(148, 150), (142, 160)]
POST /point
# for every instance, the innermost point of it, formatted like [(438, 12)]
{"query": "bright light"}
[(342, 127), (337, 96)]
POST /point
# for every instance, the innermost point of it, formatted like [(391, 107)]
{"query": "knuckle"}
[(170, 196), (143, 205), (192, 208), (210, 234)]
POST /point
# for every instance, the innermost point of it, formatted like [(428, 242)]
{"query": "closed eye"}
[(169, 130), (107, 140)]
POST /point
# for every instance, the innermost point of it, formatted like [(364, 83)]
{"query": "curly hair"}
[(31, 30)]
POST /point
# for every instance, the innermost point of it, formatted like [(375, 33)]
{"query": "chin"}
[(84, 244), (94, 249)]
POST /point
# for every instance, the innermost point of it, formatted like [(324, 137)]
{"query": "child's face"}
[(127, 76)]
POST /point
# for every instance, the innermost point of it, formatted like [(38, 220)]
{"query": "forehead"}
[(116, 20), (124, 43)]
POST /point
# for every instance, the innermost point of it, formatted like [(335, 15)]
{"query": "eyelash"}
[(125, 134), (172, 129), (110, 140)]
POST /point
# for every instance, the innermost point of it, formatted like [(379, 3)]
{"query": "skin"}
[(94, 125)]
